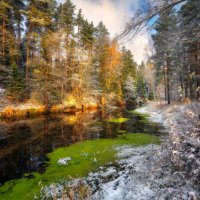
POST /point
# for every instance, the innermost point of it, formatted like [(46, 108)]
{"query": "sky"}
[(114, 14)]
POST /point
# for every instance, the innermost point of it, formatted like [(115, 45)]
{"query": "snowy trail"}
[(180, 155), (151, 173), (133, 181)]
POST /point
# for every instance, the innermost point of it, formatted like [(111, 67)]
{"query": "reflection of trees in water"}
[(55, 130), (110, 129), (83, 125), (26, 142)]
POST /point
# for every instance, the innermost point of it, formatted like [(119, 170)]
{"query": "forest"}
[(51, 55), (81, 119)]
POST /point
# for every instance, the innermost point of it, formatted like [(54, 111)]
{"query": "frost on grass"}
[(132, 177), (64, 161), (128, 178), (170, 171), (178, 163), (74, 189)]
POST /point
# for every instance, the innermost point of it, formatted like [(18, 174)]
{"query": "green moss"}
[(85, 157), (139, 114), (121, 131), (152, 124), (143, 118), (118, 120)]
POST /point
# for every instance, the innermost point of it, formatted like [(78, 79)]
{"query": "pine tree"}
[(190, 48), (162, 43), (141, 86), (67, 22), (18, 7), (129, 65), (128, 80), (87, 35), (101, 51), (37, 17)]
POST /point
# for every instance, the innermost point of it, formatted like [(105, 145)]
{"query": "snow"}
[(169, 171), (132, 181), (2, 92), (156, 114), (180, 156), (129, 179), (64, 161)]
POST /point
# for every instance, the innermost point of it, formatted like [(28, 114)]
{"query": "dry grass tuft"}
[(10, 112), (186, 101), (92, 106), (56, 109)]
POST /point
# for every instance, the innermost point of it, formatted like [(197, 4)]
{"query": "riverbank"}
[(130, 177), (166, 171), (178, 161), (116, 143), (169, 171), (24, 110)]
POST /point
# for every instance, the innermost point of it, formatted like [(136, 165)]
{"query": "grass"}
[(15, 113), (121, 131), (143, 115), (85, 157), (152, 124), (118, 120), (11, 112), (56, 108)]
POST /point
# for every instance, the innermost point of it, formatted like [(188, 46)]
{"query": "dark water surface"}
[(25, 143)]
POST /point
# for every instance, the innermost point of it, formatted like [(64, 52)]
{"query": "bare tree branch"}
[(144, 15)]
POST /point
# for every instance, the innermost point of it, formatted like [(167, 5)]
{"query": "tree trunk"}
[(66, 57), (165, 83), (19, 38), (197, 71), (186, 89), (28, 59), (182, 86), (46, 97), (61, 93), (191, 82), (168, 81), (186, 75), (3, 38)]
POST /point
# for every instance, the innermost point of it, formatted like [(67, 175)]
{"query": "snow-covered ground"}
[(132, 180), (178, 163), (129, 179), (176, 113), (170, 171)]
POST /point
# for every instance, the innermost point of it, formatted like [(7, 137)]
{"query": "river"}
[(29, 146)]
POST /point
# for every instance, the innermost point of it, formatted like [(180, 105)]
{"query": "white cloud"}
[(140, 46), (114, 14)]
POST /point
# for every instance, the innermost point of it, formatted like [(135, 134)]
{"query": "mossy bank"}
[(85, 157)]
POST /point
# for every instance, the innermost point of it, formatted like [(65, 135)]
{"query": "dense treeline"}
[(51, 54), (176, 41), (177, 45)]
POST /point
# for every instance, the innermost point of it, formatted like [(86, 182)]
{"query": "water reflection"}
[(25, 143)]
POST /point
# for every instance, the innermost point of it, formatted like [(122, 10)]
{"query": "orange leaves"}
[(112, 63), (114, 55)]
